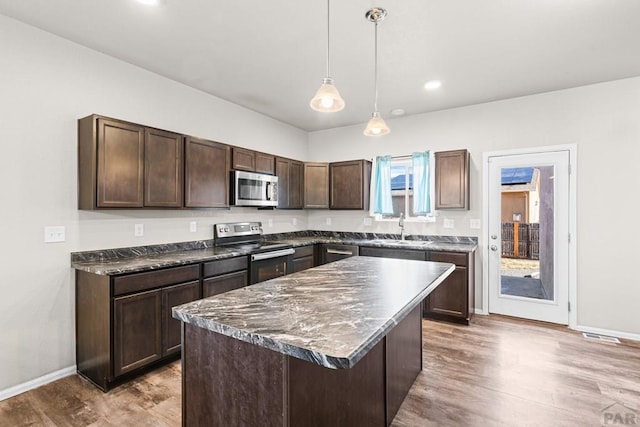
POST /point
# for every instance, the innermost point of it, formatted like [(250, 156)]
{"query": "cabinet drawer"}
[(303, 252), (451, 257), (153, 279), (215, 268)]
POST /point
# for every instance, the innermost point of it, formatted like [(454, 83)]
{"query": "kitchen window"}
[(402, 185)]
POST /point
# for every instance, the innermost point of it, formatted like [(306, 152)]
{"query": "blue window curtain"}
[(421, 184), (382, 202)]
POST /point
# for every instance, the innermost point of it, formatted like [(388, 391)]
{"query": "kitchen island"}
[(336, 345)]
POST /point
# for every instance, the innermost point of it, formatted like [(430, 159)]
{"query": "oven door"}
[(254, 189), (268, 265)]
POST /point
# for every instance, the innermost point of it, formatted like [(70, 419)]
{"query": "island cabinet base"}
[(230, 382)]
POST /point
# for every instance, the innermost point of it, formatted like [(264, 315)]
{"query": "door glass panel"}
[(527, 215)]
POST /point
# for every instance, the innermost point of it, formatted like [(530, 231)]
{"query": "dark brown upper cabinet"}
[(290, 175), (252, 161), (349, 184), (316, 185), (207, 166), (163, 169), (126, 165), (452, 179)]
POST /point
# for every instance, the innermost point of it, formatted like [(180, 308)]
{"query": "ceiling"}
[(269, 56)]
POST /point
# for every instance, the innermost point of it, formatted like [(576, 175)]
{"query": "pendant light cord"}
[(328, 37), (375, 70)]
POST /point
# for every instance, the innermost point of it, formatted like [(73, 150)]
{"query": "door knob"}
[(494, 237), (494, 248)]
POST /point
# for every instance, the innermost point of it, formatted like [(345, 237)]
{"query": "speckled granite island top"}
[(330, 315)]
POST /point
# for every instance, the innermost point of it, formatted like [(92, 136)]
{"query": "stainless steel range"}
[(267, 259)]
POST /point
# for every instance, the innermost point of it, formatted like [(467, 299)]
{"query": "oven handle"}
[(272, 254)]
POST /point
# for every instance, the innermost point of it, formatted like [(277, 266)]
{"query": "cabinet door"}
[(349, 184), (120, 164), (137, 325), (452, 179), (206, 174), (316, 185), (171, 297), (282, 172), (450, 297), (296, 185), (163, 177), (265, 163), (224, 283), (243, 159)]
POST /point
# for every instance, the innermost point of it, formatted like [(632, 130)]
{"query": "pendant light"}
[(376, 125), (327, 99)]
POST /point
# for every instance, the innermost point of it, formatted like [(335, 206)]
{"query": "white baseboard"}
[(609, 332), (37, 382), (482, 312)]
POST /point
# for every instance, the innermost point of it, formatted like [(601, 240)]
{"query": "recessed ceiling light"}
[(397, 112), (150, 2), (432, 84)]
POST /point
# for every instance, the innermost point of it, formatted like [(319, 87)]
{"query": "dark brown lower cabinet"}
[(124, 323), (330, 252), (137, 332), (224, 283), (224, 275), (454, 299), (393, 253), (304, 258), (171, 297)]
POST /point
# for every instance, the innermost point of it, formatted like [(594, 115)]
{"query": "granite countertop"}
[(331, 315), (145, 258), (432, 245)]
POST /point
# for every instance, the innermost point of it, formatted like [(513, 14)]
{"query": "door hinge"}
[(569, 306), (569, 168), (569, 237)]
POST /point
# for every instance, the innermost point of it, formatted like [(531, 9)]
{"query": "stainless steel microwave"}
[(254, 189)]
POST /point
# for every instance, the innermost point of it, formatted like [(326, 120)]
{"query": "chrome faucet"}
[(401, 225)]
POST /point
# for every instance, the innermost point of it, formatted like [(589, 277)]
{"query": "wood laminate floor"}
[(496, 372)]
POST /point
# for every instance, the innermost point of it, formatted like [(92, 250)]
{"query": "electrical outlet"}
[(328, 221), (295, 221), (367, 221), (138, 230), (269, 222), (193, 226), (474, 223), (54, 234), (448, 223)]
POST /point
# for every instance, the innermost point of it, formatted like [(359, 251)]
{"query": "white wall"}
[(46, 84), (603, 120)]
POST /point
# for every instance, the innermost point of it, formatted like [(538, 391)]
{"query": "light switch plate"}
[(367, 221), (474, 223), (448, 223), (193, 226), (138, 230), (295, 221), (328, 221), (269, 222), (54, 234)]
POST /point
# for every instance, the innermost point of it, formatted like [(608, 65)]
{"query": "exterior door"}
[(528, 242)]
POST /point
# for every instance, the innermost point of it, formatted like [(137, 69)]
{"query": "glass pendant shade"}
[(327, 99), (376, 126)]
